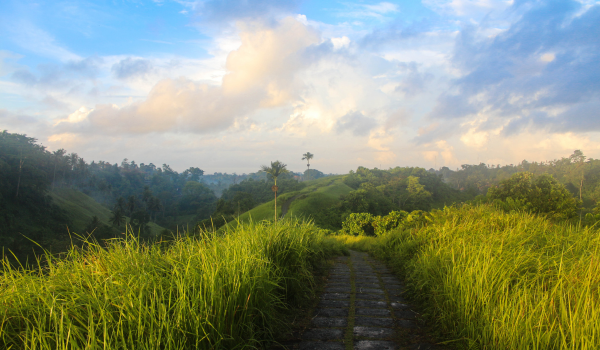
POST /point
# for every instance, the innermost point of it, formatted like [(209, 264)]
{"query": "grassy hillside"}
[(319, 196), (306, 203), (81, 208)]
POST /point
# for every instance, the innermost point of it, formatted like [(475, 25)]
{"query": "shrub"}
[(358, 224), (540, 195), (383, 224)]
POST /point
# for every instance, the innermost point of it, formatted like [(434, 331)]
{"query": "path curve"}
[(286, 205), (362, 308)]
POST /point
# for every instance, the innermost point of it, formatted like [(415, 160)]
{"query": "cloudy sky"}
[(230, 85)]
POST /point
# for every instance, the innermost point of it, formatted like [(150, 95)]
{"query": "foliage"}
[(366, 224), (579, 174), (26, 211), (277, 168), (307, 156), (501, 280), (313, 174), (541, 194), (358, 224), (206, 292), (383, 224)]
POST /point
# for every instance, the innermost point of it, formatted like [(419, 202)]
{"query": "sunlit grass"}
[(497, 280), (208, 292), (360, 243)]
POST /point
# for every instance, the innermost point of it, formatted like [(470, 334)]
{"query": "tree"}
[(308, 156), (277, 168), (418, 197), (542, 194), (578, 173), (93, 224), (117, 217), (58, 154), (131, 204)]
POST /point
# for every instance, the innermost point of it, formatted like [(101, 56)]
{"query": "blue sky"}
[(230, 85)]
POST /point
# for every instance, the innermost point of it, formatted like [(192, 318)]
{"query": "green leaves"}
[(277, 168), (541, 195)]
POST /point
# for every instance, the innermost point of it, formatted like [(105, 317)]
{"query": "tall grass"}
[(497, 280), (209, 292)]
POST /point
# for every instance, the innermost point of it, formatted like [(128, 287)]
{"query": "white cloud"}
[(34, 39)]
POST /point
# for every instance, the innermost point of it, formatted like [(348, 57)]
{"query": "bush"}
[(358, 224), (540, 195), (383, 224)]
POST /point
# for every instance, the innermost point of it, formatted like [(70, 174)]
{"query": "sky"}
[(231, 85)]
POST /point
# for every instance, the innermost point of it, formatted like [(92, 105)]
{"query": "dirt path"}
[(362, 308), (286, 205)]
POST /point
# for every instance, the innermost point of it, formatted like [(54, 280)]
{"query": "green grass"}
[(81, 208), (209, 292), (318, 195), (496, 280), (361, 243), (318, 198)]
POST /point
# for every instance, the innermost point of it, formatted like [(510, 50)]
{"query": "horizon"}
[(227, 86)]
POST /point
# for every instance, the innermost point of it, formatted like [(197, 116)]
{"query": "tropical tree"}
[(277, 168), (117, 218), (131, 204), (308, 156), (58, 155)]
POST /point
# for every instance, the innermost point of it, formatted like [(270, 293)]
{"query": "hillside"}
[(81, 208), (310, 202)]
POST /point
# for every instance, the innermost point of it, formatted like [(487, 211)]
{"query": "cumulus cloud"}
[(357, 123), (261, 73)]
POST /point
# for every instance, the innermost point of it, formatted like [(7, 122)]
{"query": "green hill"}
[(81, 208), (308, 203)]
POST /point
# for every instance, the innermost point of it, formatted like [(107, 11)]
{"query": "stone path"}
[(362, 308)]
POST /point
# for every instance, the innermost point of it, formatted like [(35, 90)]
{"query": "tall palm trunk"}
[(19, 180)]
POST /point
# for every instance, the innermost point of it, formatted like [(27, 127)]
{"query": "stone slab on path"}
[(362, 308)]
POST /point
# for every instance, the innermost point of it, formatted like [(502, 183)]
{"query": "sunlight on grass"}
[(206, 292), (502, 280)]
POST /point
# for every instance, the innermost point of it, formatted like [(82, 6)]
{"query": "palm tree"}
[(277, 168), (308, 156), (57, 156), (117, 217)]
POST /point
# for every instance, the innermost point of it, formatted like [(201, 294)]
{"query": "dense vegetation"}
[(26, 211), (205, 292), (579, 174), (499, 280), (33, 180)]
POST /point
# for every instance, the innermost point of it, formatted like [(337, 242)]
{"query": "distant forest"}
[(143, 193)]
